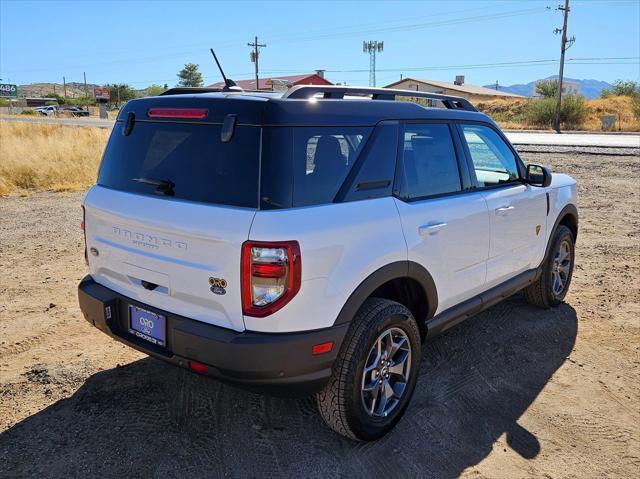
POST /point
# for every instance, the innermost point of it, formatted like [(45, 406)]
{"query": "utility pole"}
[(372, 47), (86, 95), (497, 85), (64, 86), (255, 54), (563, 48)]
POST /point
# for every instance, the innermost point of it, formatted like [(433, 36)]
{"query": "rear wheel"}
[(553, 284), (375, 373)]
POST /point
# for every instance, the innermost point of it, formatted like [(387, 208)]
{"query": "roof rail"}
[(185, 90), (339, 92)]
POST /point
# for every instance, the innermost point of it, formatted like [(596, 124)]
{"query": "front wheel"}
[(375, 373), (553, 284)]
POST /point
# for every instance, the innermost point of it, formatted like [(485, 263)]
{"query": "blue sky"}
[(141, 43)]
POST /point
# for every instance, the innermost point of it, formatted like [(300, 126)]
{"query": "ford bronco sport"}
[(314, 239)]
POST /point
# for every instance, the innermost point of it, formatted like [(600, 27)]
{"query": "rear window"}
[(190, 156)]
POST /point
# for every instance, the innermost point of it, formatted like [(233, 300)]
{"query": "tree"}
[(154, 90), (120, 93), (190, 76), (547, 88), (59, 99), (622, 88)]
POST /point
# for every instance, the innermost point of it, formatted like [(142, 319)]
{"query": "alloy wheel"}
[(561, 268), (386, 372)]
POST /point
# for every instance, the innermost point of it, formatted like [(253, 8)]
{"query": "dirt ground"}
[(513, 392)]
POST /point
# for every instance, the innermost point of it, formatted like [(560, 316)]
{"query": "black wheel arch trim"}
[(389, 272), (568, 210)]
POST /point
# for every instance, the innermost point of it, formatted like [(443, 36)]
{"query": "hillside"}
[(38, 90), (589, 88)]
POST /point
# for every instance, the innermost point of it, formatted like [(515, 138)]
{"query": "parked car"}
[(47, 110), (310, 242), (74, 111)]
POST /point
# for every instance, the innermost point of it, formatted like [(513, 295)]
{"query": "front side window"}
[(493, 161), (429, 166)]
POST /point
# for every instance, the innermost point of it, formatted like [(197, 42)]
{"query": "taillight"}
[(271, 275), (184, 113), (84, 234)]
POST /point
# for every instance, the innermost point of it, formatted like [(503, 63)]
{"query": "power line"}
[(530, 63), (594, 61)]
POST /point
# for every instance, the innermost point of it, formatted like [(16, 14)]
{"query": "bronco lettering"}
[(147, 240)]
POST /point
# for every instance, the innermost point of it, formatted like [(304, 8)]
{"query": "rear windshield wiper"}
[(164, 187)]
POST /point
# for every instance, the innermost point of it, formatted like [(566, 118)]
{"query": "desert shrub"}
[(4, 102), (573, 111), (28, 111), (505, 110), (541, 112), (635, 106)]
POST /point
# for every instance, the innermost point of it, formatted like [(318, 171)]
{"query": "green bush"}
[(541, 112), (28, 111), (4, 102), (573, 111)]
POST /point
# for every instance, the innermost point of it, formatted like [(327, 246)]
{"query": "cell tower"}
[(372, 47)]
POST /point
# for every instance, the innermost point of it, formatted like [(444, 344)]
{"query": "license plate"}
[(147, 325)]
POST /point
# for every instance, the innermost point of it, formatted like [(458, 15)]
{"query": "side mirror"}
[(538, 175)]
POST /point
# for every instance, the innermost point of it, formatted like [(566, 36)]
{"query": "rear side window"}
[(305, 166), (493, 161), (189, 156), (373, 174), (322, 157), (429, 165)]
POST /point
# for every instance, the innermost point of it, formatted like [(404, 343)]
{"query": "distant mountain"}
[(588, 88)]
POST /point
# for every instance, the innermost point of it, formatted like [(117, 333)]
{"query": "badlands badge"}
[(218, 285)]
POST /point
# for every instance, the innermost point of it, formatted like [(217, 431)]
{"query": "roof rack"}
[(339, 92)]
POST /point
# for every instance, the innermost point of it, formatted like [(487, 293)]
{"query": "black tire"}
[(342, 402), (542, 293)]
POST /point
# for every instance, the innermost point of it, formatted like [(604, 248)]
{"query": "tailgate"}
[(167, 253)]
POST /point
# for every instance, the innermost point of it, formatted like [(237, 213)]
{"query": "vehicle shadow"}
[(151, 419)]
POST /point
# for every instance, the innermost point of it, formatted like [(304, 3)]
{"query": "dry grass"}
[(48, 157), (511, 114)]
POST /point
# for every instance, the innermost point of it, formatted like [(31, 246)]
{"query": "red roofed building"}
[(280, 82)]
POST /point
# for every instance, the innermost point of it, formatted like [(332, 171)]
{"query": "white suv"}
[(314, 240)]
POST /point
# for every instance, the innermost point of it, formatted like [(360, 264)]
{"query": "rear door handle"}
[(504, 209), (431, 228)]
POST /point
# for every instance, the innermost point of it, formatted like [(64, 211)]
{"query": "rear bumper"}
[(268, 361)]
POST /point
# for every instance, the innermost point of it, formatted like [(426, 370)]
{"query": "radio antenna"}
[(229, 85)]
